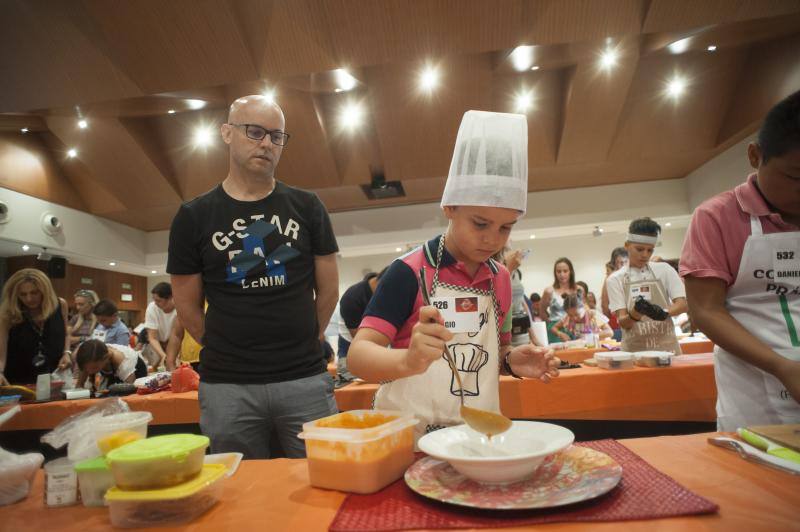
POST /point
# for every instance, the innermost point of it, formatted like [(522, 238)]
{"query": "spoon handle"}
[(426, 298)]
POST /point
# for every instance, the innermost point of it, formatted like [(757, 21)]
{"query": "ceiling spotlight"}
[(676, 87), (153, 271), (344, 80), (523, 102), (712, 48), (398, 249), (195, 104), (25, 247), (338, 89), (352, 115), (83, 124), (668, 224), (608, 58), (72, 153), (535, 67), (522, 58), (112, 263), (24, 130), (269, 95), (171, 112), (598, 231), (203, 136), (533, 237), (678, 47), (429, 78)]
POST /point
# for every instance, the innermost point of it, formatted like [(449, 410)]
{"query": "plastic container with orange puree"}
[(167, 506), (359, 451), (157, 462)]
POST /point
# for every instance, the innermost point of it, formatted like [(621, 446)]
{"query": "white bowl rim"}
[(491, 459)]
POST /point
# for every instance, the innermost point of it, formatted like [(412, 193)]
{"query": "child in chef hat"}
[(401, 341)]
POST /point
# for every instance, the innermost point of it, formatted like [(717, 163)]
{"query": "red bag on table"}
[(185, 379)]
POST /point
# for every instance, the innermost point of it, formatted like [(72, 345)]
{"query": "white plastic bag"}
[(16, 470), (79, 430)]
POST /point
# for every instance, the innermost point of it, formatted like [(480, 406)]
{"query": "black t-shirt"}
[(354, 302), (257, 263)]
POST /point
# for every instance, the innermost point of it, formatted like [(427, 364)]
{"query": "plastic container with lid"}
[(94, 480), (157, 462), (614, 360), (178, 504), (99, 427), (359, 451), (654, 359)]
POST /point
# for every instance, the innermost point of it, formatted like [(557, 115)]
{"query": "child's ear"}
[(754, 155)]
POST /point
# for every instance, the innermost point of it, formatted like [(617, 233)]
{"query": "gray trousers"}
[(240, 417)]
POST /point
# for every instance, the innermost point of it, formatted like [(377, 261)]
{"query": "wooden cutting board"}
[(786, 435)]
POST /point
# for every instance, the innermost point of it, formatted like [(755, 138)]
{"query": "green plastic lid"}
[(92, 465), (169, 446)]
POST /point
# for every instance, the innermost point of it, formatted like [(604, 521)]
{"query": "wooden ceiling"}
[(122, 64)]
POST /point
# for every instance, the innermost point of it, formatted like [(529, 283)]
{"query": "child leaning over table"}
[(400, 342)]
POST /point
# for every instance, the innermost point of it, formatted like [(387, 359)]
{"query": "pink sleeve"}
[(704, 253), (380, 325)]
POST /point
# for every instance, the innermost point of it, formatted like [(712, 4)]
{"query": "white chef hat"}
[(490, 162)]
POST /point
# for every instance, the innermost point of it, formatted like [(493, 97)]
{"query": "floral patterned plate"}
[(573, 475)]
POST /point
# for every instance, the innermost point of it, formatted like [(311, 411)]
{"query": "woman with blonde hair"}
[(33, 328), (84, 322)]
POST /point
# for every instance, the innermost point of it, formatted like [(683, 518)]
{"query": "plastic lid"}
[(174, 446), (654, 354), (208, 475), (614, 355), (92, 465), (395, 421)]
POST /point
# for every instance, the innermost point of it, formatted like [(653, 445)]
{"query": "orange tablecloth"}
[(275, 494), (685, 391), (167, 408), (576, 356)]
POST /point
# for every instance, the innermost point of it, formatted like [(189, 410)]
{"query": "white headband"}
[(642, 239)]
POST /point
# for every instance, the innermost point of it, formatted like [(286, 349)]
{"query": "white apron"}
[(648, 334), (434, 397), (765, 300)]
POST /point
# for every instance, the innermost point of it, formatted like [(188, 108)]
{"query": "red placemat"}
[(643, 493)]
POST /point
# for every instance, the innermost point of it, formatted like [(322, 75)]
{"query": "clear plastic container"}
[(168, 506), (60, 483), (157, 462), (94, 480), (654, 359), (86, 445), (614, 360), (359, 451)]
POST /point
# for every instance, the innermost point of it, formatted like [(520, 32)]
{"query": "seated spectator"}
[(579, 320), (113, 363), (33, 328), (84, 321), (110, 329)]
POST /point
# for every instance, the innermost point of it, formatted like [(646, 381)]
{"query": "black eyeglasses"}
[(256, 132)]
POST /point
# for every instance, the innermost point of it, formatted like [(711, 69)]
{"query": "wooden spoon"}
[(483, 421)]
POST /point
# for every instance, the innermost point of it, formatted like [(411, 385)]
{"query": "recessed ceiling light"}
[(195, 104), (535, 67), (398, 249), (676, 87), (153, 271), (83, 124), (678, 47), (668, 224), (269, 95), (608, 59), (523, 101), (25, 247), (24, 130), (338, 89), (352, 115), (171, 112), (533, 237), (712, 48), (344, 80), (522, 58), (112, 263), (72, 152), (429, 78), (203, 136)]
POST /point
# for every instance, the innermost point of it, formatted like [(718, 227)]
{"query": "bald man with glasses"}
[(263, 254)]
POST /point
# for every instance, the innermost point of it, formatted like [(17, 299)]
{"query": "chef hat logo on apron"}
[(490, 162)]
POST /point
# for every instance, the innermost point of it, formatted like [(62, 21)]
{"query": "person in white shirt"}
[(158, 320), (644, 294), (115, 363)]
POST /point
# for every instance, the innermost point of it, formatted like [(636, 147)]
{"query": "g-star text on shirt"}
[(222, 241)]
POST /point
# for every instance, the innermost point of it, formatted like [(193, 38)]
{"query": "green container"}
[(158, 462), (94, 480)]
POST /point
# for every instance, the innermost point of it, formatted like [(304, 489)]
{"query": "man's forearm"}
[(193, 320), (325, 303)]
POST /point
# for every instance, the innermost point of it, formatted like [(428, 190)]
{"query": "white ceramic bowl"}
[(508, 457)]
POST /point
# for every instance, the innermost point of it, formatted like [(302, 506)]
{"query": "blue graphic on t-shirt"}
[(252, 255)]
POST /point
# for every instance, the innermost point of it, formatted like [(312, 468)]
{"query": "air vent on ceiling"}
[(379, 188)]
